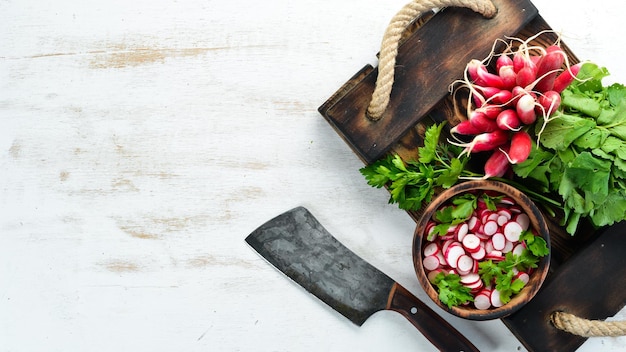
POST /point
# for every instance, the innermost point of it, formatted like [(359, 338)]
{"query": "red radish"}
[(550, 102), (431, 249), (482, 301), (489, 79), (466, 128), (512, 231), (497, 164), (442, 259), (521, 146), (508, 76), (471, 242), (495, 299), (505, 211), (490, 110), (498, 241), (525, 77), (503, 61), (547, 69), (525, 109), (481, 122), (566, 78), (508, 120), (487, 141), (430, 262), (521, 60), (472, 69)]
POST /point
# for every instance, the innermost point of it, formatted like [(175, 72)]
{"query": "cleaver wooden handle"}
[(438, 331)]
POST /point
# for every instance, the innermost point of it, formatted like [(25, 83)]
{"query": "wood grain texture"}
[(142, 141)]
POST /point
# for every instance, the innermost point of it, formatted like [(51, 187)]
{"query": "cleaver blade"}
[(300, 247)]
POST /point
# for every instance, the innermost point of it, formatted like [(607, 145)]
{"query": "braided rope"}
[(587, 328), (391, 38)]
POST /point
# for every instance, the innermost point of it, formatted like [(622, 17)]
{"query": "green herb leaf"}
[(451, 291), (428, 152), (564, 129)]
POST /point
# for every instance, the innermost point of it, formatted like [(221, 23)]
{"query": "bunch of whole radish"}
[(503, 104)]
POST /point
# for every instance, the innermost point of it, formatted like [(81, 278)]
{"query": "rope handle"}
[(587, 328), (391, 39)]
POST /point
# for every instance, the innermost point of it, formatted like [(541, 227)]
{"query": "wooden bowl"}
[(537, 222)]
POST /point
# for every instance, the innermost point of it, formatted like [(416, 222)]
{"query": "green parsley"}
[(413, 183), (451, 291)]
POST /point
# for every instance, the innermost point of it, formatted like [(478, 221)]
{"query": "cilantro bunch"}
[(581, 154)]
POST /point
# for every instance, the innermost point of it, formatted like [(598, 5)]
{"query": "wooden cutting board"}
[(587, 270)]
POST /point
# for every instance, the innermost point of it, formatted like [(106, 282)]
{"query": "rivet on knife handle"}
[(445, 337)]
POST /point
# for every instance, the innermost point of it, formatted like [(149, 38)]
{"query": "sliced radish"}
[(465, 264), (490, 228), (471, 242), (495, 299), (461, 231), (482, 301), (523, 276), (453, 254), (470, 279), (523, 220), (508, 246), (513, 230), (494, 255), (502, 219), (507, 201), (442, 259), (431, 262), (498, 241), (479, 254), (473, 224), (431, 249), (515, 209), (519, 249)]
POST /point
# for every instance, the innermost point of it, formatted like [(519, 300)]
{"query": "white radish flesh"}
[(482, 301), (431, 262), (512, 231)]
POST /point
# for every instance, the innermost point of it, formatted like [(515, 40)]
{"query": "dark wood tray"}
[(432, 55)]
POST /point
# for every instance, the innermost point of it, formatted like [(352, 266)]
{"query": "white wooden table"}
[(142, 141)]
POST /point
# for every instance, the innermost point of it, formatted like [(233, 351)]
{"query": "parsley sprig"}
[(451, 291), (413, 183)]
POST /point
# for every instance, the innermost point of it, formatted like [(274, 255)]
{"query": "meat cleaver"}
[(300, 247)]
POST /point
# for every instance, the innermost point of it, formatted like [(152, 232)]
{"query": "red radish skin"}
[(508, 76), (482, 123), (490, 110), (566, 78), (508, 120), (550, 102), (482, 301), (521, 146), (465, 128), (525, 109), (525, 77), (489, 79), (487, 141), (497, 164), (547, 69), (503, 61)]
